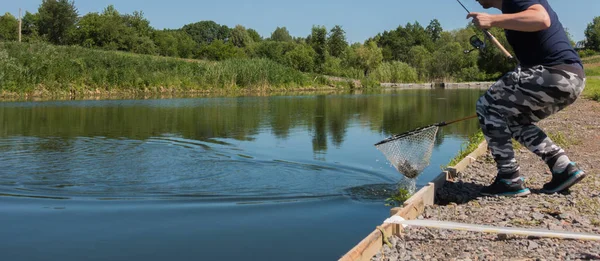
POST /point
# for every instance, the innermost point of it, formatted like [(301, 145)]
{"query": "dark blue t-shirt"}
[(547, 47)]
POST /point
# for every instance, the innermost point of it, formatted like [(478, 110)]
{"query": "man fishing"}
[(549, 78)]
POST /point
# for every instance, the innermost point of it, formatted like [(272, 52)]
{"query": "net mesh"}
[(409, 153)]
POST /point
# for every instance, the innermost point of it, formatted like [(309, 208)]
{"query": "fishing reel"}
[(477, 44)]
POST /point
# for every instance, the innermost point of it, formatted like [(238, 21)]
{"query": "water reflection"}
[(276, 147)]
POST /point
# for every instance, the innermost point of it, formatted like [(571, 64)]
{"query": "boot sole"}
[(567, 184)]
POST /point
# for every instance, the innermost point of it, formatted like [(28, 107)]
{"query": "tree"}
[(318, 41), (29, 27), (174, 43), (570, 36), (113, 31), (592, 35), (336, 42), (185, 44), (492, 61), (281, 34), (9, 26), (219, 51), (302, 58), (165, 41), (434, 30), (137, 21), (205, 32), (106, 30), (274, 50), (446, 61), (396, 44), (367, 57), (141, 44), (419, 58), (239, 37), (254, 35), (56, 19)]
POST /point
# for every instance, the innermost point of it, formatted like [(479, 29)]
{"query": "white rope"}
[(491, 229)]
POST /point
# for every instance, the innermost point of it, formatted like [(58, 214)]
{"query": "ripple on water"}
[(163, 168)]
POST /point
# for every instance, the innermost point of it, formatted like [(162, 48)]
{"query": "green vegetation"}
[(591, 59), (560, 139), (62, 69), (408, 53), (398, 198), (592, 71), (327, 116), (592, 35), (592, 89), (468, 147)]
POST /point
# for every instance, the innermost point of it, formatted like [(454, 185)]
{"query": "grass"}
[(468, 147), (592, 88), (592, 70), (524, 222), (25, 68), (560, 139), (591, 59), (398, 198)]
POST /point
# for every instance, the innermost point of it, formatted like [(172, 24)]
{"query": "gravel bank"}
[(577, 129)]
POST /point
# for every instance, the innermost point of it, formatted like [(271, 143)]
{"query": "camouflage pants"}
[(513, 105)]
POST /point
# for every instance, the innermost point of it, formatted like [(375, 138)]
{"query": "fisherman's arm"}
[(534, 19)]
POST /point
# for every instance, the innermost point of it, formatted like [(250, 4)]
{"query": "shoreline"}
[(41, 94), (161, 93), (576, 130)]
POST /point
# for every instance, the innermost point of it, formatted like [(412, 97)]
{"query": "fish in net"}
[(410, 152)]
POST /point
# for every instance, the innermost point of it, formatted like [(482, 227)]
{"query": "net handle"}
[(442, 124)]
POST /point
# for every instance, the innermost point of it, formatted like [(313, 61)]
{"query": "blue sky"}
[(359, 19)]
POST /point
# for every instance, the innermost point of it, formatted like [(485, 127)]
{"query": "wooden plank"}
[(440, 180), (412, 208), (407, 85), (468, 160), (417, 203), (369, 246), (468, 85)]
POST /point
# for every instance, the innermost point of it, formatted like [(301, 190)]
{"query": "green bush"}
[(586, 53), (396, 72), (302, 58)]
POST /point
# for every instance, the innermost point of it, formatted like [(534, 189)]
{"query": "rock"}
[(532, 245), (538, 216)]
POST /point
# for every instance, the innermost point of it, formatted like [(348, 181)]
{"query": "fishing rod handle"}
[(499, 45)]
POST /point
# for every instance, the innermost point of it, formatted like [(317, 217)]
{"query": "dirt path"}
[(577, 129)]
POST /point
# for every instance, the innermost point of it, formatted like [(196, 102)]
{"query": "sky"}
[(360, 20)]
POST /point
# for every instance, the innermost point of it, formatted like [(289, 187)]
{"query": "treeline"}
[(408, 53)]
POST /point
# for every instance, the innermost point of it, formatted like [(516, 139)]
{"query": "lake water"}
[(287, 177)]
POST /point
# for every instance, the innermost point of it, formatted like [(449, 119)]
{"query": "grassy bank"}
[(592, 71), (468, 147), (48, 69)]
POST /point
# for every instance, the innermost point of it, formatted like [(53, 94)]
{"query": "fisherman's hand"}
[(481, 20)]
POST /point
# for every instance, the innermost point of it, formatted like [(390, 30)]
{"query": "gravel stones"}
[(576, 211)]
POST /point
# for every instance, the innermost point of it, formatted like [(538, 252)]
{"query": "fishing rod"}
[(490, 36), (410, 152)]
